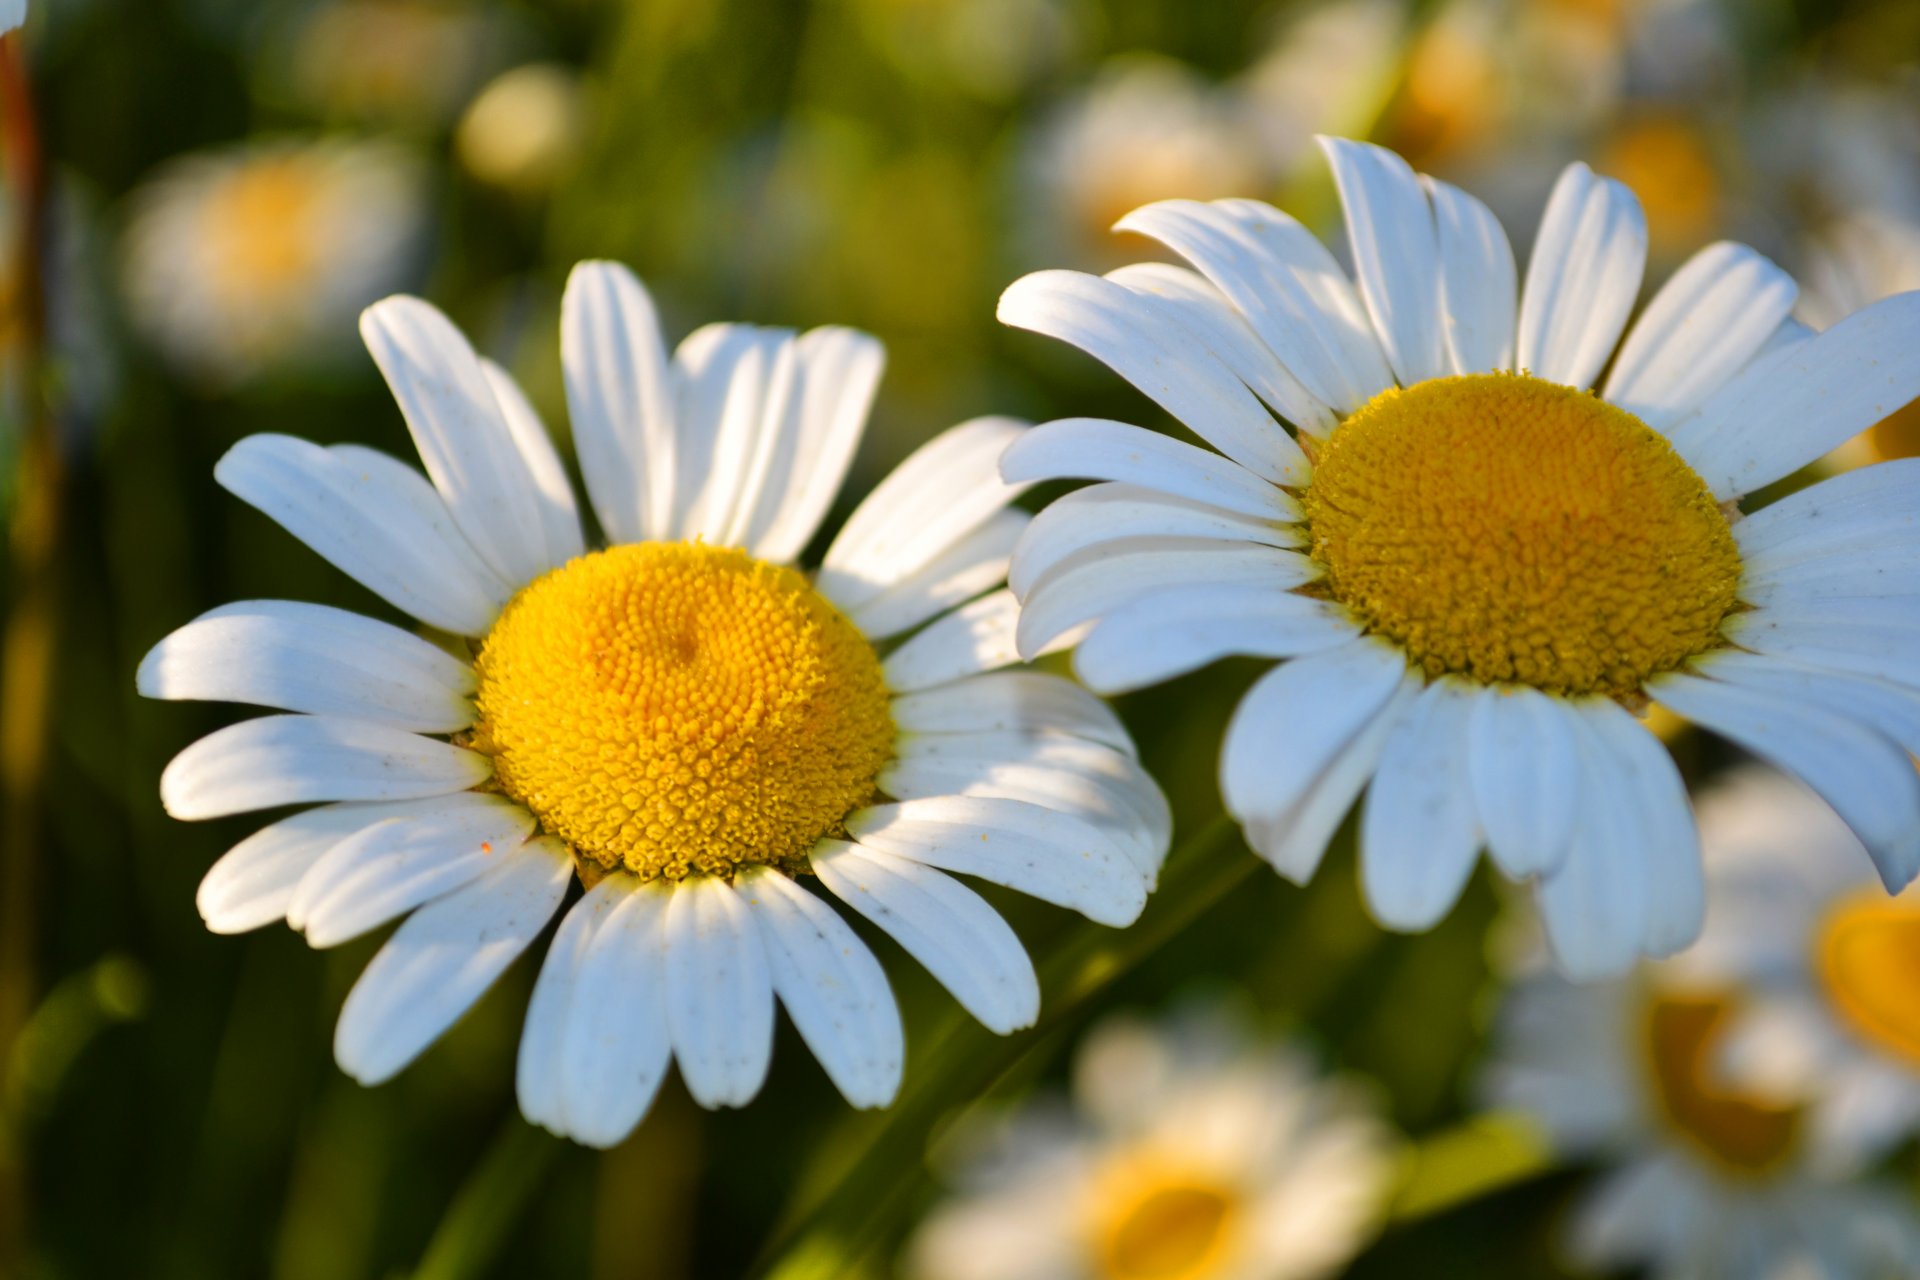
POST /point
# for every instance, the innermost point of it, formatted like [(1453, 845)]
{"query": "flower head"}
[(1475, 566), (684, 721)]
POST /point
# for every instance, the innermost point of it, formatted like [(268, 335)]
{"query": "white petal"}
[(976, 563), (623, 999), (1183, 628), (974, 638), (767, 465), (945, 490), (1779, 415), (1867, 778), (1862, 505), (1012, 702), (724, 373), (1094, 783), (1887, 652), (619, 399), (308, 657), (1287, 285), (391, 867), (1706, 324), (444, 958), (1296, 719), (1099, 449), (1582, 278), (375, 519), (1892, 709), (1595, 904), (253, 882), (561, 539), (839, 372), (1419, 834), (719, 993), (1295, 840), (1141, 338), (462, 435), (1107, 512), (1478, 293), (1190, 299), (1525, 771), (833, 988), (1043, 853), (944, 925), (1663, 823), (1095, 582), (1396, 254), (276, 760)]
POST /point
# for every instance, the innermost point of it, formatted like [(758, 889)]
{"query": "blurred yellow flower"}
[(523, 131)]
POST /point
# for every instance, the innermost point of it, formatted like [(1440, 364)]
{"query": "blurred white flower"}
[(411, 63), (1328, 70), (1189, 1152), (523, 131), (1736, 1094), (241, 260), (13, 13), (1145, 129)]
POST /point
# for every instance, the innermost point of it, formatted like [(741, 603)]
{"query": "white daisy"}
[(1701, 1179), (1476, 575), (247, 259), (684, 719), (1827, 1015), (1189, 1152)]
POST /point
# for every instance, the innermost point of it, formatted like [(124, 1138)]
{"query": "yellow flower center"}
[(1159, 1223), (1868, 953), (1743, 1134), (1504, 528), (672, 708), (258, 222)]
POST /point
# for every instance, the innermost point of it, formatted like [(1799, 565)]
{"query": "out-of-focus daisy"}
[(684, 720), (1190, 1151), (246, 259), (1704, 1177), (1327, 69), (411, 63), (523, 131), (1816, 966), (1475, 567), (1145, 129)]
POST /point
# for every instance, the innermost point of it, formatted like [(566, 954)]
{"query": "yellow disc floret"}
[(673, 708), (1514, 530)]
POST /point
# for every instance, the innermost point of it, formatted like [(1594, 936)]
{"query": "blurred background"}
[(201, 195)]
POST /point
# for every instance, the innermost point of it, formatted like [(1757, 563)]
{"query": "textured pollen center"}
[(673, 708), (1514, 530)]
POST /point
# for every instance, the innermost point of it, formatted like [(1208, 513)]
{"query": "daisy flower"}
[(683, 721), (241, 261), (1826, 1014), (1700, 1176), (1475, 566), (1190, 1151)]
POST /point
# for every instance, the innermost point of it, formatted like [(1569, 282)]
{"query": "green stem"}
[(878, 1160), (489, 1203)]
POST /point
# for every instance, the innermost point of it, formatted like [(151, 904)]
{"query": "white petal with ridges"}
[(253, 882), (559, 513), (944, 925), (1183, 628), (1012, 702), (944, 491), (373, 518), (1582, 278), (619, 400), (1396, 254), (539, 1078), (1594, 905), (1664, 826), (1525, 770), (833, 987), (1706, 324), (1478, 294), (975, 638), (1142, 339), (444, 958), (839, 373), (614, 1043), (1100, 449), (976, 563), (308, 657), (276, 760), (1419, 834), (719, 993), (1287, 285), (461, 433)]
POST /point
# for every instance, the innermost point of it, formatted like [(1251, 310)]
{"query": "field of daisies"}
[(960, 639)]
